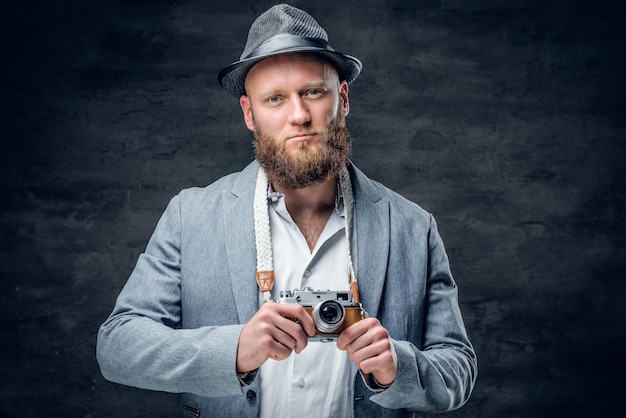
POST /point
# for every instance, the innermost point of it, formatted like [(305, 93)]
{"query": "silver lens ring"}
[(328, 315)]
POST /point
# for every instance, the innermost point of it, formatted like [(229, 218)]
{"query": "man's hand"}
[(369, 347), (273, 332)]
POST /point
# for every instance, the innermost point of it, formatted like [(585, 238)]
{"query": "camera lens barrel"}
[(328, 315)]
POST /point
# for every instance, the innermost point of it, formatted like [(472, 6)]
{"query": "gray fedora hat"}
[(280, 30)]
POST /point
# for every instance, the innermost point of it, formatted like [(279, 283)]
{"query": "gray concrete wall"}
[(504, 118)]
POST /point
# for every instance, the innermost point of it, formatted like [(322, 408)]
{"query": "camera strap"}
[(263, 238)]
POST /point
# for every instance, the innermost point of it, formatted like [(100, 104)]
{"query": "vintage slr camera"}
[(332, 311)]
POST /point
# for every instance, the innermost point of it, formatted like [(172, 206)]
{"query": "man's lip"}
[(300, 137)]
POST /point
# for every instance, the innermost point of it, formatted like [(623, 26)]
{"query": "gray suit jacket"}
[(176, 324)]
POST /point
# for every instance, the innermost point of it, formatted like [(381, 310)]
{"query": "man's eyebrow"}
[(272, 91), (317, 84)]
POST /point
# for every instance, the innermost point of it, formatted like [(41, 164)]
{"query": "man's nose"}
[(299, 112)]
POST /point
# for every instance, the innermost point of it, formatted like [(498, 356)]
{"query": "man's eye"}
[(315, 92), (273, 99)]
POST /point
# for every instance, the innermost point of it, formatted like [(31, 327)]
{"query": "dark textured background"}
[(504, 118)]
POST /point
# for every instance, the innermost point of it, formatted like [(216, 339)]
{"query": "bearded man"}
[(196, 316)]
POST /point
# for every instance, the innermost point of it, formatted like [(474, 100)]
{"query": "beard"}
[(311, 164)]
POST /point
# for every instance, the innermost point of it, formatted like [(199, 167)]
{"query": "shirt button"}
[(251, 395), (301, 383), (307, 273)]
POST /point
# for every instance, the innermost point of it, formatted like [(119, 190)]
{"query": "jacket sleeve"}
[(436, 372), (141, 343)]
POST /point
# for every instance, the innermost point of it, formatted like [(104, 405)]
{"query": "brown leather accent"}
[(265, 280), (353, 315)]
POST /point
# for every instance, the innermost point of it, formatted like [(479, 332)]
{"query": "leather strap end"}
[(354, 289), (265, 280)]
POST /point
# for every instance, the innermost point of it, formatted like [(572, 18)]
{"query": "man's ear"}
[(246, 108), (343, 95)]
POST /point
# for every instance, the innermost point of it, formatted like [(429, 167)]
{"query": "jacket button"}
[(251, 395)]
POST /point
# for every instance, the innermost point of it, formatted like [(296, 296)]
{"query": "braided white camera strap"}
[(264, 261)]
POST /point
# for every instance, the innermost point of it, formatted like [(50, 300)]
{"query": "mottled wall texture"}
[(505, 119)]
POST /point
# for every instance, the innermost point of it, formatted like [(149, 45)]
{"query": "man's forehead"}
[(308, 61)]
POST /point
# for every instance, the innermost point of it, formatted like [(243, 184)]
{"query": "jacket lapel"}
[(238, 218), (372, 235)]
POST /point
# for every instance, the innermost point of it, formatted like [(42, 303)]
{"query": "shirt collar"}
[(274, 197)]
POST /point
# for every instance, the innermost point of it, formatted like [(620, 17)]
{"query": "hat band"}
[(287, 41)]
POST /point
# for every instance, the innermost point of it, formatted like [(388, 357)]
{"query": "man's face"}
[(296, 107)]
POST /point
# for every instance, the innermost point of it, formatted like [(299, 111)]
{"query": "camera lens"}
[(328, 315)]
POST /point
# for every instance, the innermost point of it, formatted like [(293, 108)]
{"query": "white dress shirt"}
[(319, 381)]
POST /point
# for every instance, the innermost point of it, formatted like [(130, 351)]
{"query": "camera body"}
[(332, 311)]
